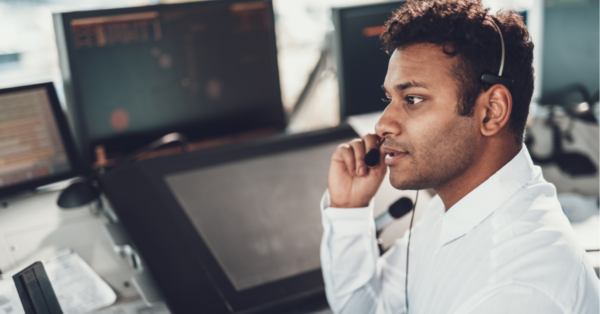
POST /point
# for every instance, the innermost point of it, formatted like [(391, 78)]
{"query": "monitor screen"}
[(33, 138), (255, 215), (238, 223), (570, 52), (361, 62), (205, 69)]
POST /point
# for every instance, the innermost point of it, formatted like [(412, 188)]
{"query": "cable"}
[(412, 216)]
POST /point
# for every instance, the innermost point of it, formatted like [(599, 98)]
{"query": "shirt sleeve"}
[(356, 279)]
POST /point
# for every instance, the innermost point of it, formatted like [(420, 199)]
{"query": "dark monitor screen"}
[(361, 63), (570, 52), (205, 69), (239, 224), (35, 143), (258, 216)]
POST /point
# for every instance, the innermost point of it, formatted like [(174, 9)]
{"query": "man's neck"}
[(484, 167)]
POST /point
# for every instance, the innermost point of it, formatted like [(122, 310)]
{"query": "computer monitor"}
[(233, 228), (206, 69), (36, 147), (361, 62), (570, 54)]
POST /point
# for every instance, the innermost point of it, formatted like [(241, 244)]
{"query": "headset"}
[(498, 79)]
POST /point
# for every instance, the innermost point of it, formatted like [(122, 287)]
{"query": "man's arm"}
[(355, 277), (357, 280)]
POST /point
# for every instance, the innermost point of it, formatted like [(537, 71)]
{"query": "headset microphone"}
[(397, 210), (373, 156)]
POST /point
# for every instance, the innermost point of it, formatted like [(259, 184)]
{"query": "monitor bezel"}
[(70, 73), (140, 190), (65, 135)]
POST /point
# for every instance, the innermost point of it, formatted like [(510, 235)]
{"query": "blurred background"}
[(28, 50)]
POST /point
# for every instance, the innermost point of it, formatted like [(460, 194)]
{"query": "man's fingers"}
[(358, 145), (352, 154), (351, 183), (371, 141), (345, 153)]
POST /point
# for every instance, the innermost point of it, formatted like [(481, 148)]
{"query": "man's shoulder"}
[(534, 242), (533, 208), (533, 224)]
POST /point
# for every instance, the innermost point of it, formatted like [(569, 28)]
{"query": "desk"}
[(33, 227)]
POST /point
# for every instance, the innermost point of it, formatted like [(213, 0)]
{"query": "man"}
[(494, 239)]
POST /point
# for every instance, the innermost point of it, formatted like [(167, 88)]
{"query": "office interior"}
[(156, 147)]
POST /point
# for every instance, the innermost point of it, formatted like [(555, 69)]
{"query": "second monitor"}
[(361, 62), (36, 147), (231, 229), (205, 69)]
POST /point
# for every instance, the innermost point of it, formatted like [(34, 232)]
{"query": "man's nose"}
[(389, 123)]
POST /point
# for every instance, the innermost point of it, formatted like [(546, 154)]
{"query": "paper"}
[(77, 286), (135, 307), (9, 298)]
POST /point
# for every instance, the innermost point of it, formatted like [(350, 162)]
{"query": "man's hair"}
[(464, 29)]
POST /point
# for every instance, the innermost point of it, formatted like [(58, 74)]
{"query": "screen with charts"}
[(31, 147), (205, 69), (260, 217)]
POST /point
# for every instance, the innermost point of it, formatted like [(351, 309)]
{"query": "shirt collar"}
[(480, 203)]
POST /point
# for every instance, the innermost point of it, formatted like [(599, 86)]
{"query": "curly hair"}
[(466, 27)]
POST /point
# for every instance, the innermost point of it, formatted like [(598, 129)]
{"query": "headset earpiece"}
[(495, 79)]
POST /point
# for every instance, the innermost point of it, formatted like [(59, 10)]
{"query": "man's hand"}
[(351, 183)]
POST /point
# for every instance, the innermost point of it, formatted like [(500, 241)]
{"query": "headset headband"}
[(502, 43), (498, 79)]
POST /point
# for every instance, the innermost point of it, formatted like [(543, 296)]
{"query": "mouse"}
[(77, 194)]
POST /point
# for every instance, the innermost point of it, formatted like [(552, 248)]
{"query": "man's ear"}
[(494, 108)]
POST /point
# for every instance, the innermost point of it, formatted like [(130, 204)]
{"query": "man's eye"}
[(414, 100), (386, 100)]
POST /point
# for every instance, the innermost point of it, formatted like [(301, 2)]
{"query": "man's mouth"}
[(392, 155)]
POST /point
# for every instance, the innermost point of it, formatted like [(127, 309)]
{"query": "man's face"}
[(428, 145)]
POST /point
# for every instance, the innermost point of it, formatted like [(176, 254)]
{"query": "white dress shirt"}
[(506, 247)]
